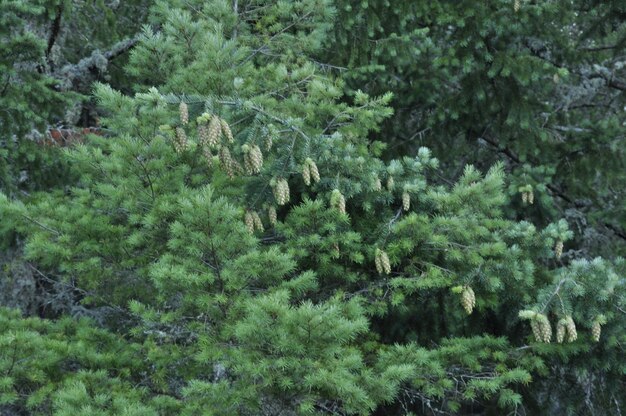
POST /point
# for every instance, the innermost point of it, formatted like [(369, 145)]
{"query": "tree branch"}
[(55, 28)]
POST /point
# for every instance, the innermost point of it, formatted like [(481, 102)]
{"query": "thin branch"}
[(55, 28)]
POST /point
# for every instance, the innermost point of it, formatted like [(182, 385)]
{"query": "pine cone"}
[(249, 219), (226, 131), (214, 132), (558, 249), (544, 328), (258, 224), (379, 264), (531, 197), (306, 174), (203, 134), (281, 191), (315, 174), (184, 112), (247, 159), (338, 201), (468, 299), (383, 266), (256, 157), (596, 330), (227, 162), (271, 213), (516, 5), (269, 141), (181, 140), (406, 201), (525, 197), (572, 335), (390, 183)]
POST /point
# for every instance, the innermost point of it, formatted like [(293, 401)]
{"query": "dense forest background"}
[(324, 207)]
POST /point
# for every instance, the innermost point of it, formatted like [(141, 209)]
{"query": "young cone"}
[(184, 112), (572, 335), (249, 220), (273, 217), (545, 330), (406, 201), (227, 162), (306, 174), (256, 158), (558, 249), (315, 174), (258, 224), (338, 201), (468, 299), (226, 130), (214, 131), (203, 134), (596, 330), (281, 191), (383, 266), (181, 140)]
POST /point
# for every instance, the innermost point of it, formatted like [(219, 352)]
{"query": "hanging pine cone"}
[(468, 299), (338, 201), (381, 259), (572, 335), (531, 197), (268, 133), (377, 261), (516, 5), (315, 174), (203, 134), (184, 113), (390, 183), (256, 157), (525, 197), (226, 130), (596, 330), (247, 160), (281, 191), (406, 201), (306, 174), (227, 162), (558, 249), (271, 213), (258, 224), (214, 131), (249, 220), (181, 140), (561, 328), (545, 330)]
